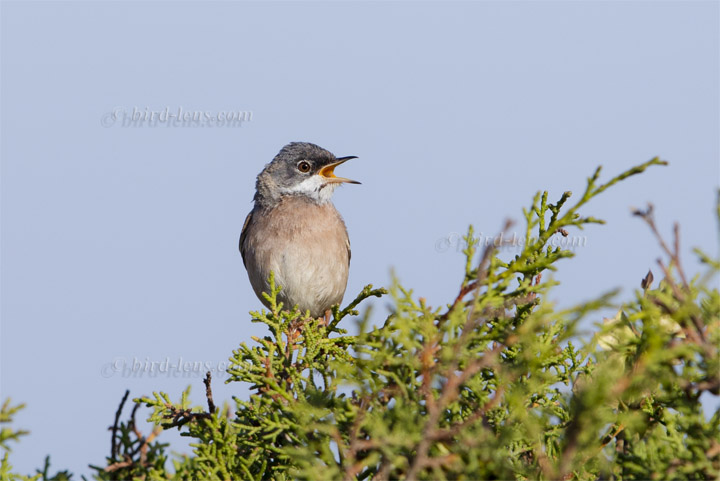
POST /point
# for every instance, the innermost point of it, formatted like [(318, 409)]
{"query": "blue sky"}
[(119, 241)]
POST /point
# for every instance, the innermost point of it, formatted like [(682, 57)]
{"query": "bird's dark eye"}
[(303, 167)]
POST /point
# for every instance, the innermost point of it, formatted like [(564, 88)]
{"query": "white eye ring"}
[(303, 166)]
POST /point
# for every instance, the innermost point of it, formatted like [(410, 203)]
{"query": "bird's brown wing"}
[(243, 235), (347, 243)]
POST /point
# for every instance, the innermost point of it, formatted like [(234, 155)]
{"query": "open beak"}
[(327, 172)]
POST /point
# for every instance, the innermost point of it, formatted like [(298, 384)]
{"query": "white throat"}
[(314, 187)]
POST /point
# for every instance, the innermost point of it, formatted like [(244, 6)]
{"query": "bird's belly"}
[(311, 280), (311, 265)]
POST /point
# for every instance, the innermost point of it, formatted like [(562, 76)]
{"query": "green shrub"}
[(497, 384)]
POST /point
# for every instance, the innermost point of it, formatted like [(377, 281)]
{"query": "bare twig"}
[(208, 392), (142, 442), (181, 416), (132, 420), (114, 428), (119, 465), (673, 254)]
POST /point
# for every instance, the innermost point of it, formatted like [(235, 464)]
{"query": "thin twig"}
[(113, 444), (208, 392), (181, 416), (119, 465)]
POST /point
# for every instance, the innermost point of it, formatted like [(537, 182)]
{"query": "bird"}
[(295, 231)]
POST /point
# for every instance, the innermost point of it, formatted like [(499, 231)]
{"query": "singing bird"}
[(295, 231)]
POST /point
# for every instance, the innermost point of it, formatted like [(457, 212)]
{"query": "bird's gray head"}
[(300, 168)]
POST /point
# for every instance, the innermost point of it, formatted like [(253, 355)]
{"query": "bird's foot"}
[(326, 318)]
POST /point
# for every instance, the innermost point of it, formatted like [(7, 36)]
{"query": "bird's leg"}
[(327, 317)]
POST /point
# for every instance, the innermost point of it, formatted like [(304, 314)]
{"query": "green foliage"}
[(497, 384), (7, 412), (6, 416)]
